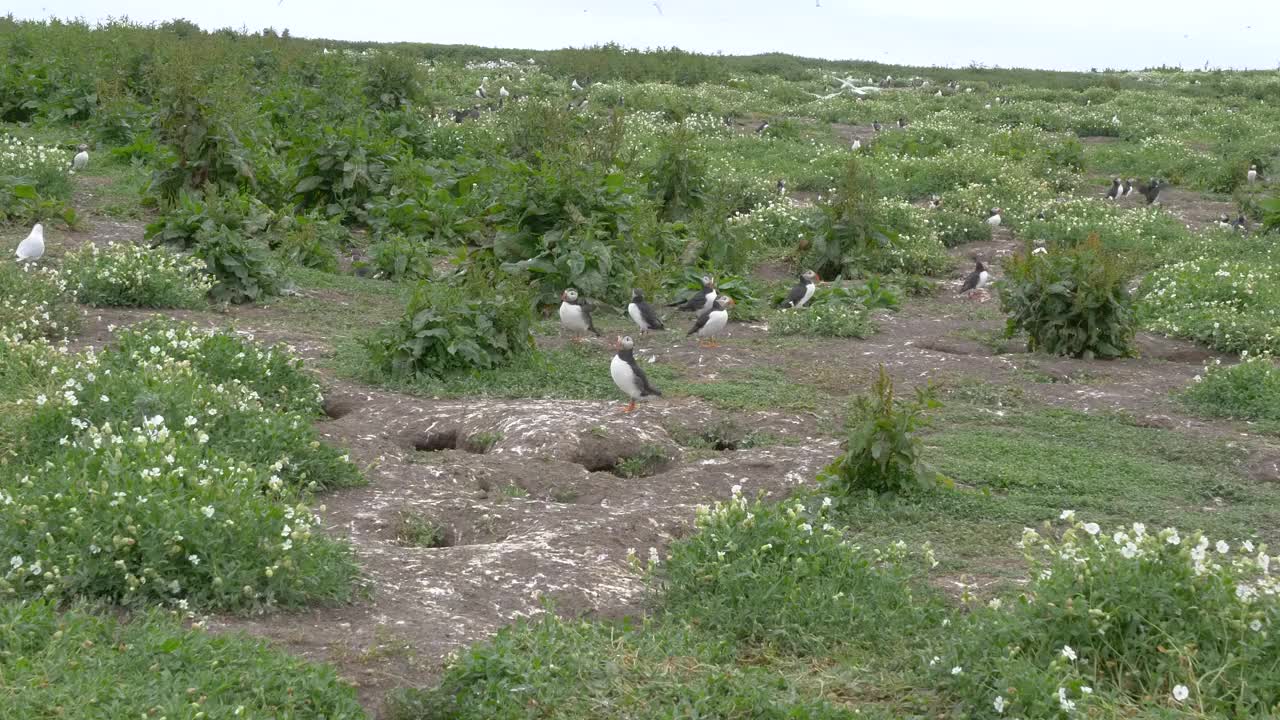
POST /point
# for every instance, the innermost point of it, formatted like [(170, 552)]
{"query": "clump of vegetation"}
[(1123, 621), (956, 227), (402, 258), (310, 241), (1070, 302), (243, 269), (848, 226), (1249, 390), (34, 180), (883, 454), (1228, 305), (35, 303), (420, 531), (646, 461), (151, 665), (446, 329), (846, 319), (136, 276)]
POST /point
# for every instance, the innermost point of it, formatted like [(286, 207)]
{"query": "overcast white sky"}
[(1058, 34)]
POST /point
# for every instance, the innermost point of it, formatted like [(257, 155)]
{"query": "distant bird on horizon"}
[(81, 159), (31, 248)]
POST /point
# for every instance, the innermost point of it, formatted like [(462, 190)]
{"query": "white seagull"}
[(81, 159), (32, 247)]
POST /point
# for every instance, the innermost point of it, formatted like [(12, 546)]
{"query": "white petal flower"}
[(998, 704), (1222, 547), (1181, 693), (1092, 528), (1069, 653), (957, 670)]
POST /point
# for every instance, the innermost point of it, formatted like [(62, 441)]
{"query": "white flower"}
[(41, 400), (1092, 528), (1222, 547), (193, 559), (1066, 704), (1180, 693), (1068, 653), (1066, 515), (998, 704), (1256, 626), (1248, 546), (1129, 550), (15, 562), (1086, 690), (957, 670), (1173, 538), (207, 510), (736, 490)]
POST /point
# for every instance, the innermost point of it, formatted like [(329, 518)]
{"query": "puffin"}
[(1115, 191), (856, 145), (1224, 221), (81, 159), (782, 187), (576, 87), (935, 202), (575, 315), (977, 279), (902, 122), (1040, 248), (803, 291), (1152, 191), (628, 376), (994, 218), (1132, 185), (642, 313), (1126, 188), (480, 93), (712, 322), (1252, 174), (938, 94), (876, 126), (1240, 225), (702, 300), (763, 126), (32, 246)]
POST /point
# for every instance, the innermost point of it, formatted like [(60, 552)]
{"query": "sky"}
[(1076, 35)]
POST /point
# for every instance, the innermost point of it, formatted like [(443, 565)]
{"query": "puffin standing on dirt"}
[(1152, 191), (1240, 224), (642, 313), (1224, 221), (994, 218), (1126, 188), (782, 187), (575, 315), (628, 376), (803, 291), (712, 322), (977, 279), (876, 126), (702, 300), (1130, 186), (1116, 191)]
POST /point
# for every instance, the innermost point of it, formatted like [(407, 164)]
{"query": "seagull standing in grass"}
[(81, 159), (31, 248)]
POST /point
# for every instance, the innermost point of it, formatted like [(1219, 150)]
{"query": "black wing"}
[(646, 387), (586, 315), (649, 316), (694, 303), (795, 295), (971, 282), (701, 322)]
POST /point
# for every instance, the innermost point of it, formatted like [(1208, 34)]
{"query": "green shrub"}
[(243, 269), (1226, 304), (955, 227), (34, 180), (849, 226), (310, 241), (782, 576), (136, 276), (402, 258), (844, 319), (35, 302), (1070, 302), (391, 80), (76, 663), (446, 329), (1116, 623), (1249, 390), (195, 213), (883, 453), (676, 179)]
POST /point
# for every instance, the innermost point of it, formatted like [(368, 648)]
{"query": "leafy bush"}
[(1111, 623), (849, 226), (194, 214), (1249, 390), (1070, 302), (342, 170), (35, 303), (956, 227), (845, 319), (164, 662), (310, 241), (34, 180), (402, 258), (676, 178), (446, 329), (782, 576), (883, 452), (391, 80), (136, 276), (243, 269)]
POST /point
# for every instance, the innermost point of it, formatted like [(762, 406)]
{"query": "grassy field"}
[(291, 428)]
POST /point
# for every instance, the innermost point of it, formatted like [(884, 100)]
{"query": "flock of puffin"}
[(711, 310)]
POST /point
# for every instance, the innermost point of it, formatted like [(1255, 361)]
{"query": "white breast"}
[(984, 277), (1253, 175), (711, 299), (572, 318), (624, 377), (994, 220), (81, 159), (716, 323), (633, 311), (808, 293)]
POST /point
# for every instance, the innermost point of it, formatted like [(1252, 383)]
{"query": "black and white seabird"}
[(81, 159), (1240, 224), (480, 93), (935, 202), (1253, 173), (642, 313), (702, 300), (902, 122), (876, 126), (1130, 186), (1126, 187), (576, 87), (856, 144), (1152, 191), (1224, 221), (994, 219), (628, 376), (977, 279), (802, 292), (1115, 192), (763, 126), (712, 322), (503, 92), (782, 187), (575, 315)]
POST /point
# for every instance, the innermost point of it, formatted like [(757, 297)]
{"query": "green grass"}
[(419, 530), (81, 664)]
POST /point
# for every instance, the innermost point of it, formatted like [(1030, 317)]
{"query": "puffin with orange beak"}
[(713, 322), (575, 315), (803, 291), (628, 376)]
